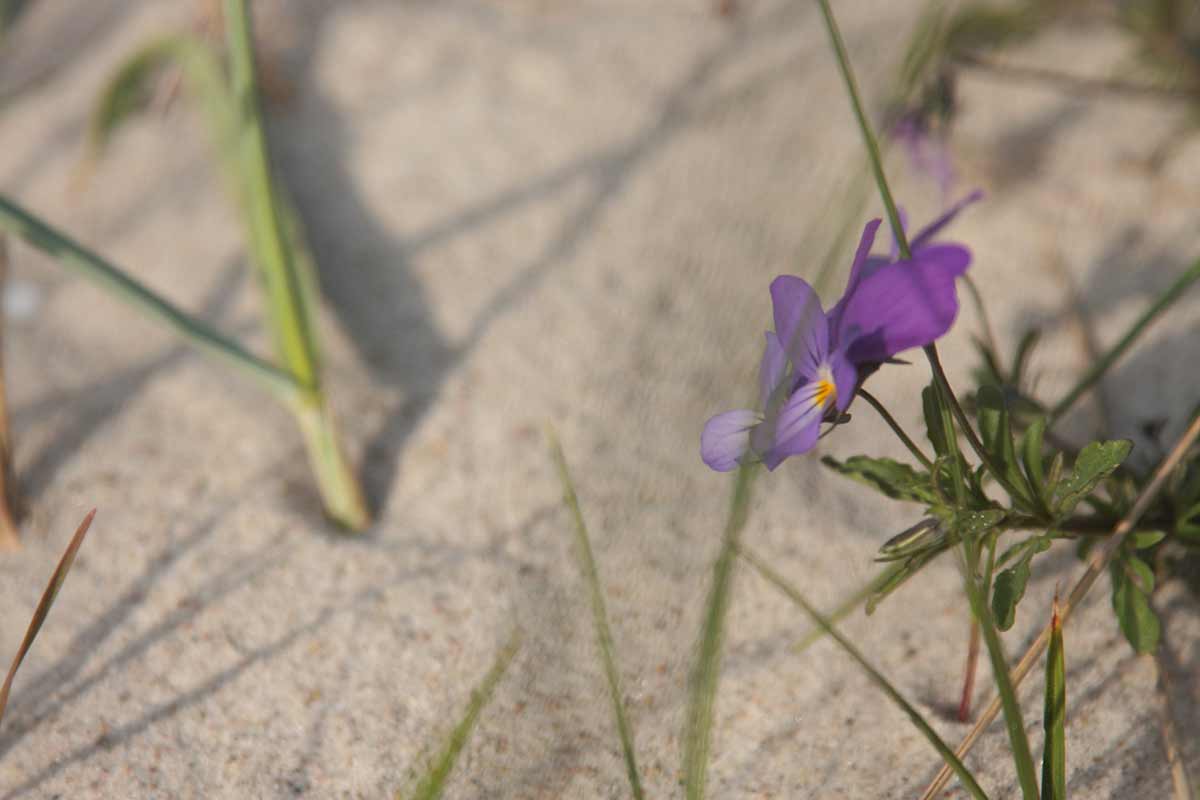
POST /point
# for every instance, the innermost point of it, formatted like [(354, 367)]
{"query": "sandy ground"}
[(529, 211)]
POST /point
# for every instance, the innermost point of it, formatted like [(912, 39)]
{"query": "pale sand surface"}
[(529, 211)]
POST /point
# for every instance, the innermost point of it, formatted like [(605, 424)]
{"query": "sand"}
[(529, 211)]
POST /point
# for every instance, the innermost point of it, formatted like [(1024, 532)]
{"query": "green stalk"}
[(1096, 372), (864, 125), (702, 694), (977, 599), (895, 426), (591, 576), (776, 580), (57, 244), (1013, 718), (289, 297)]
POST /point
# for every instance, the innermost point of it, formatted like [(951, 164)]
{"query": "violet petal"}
[(800, 324), (726, 438), (796, 429), (903, 305), (771, 371)]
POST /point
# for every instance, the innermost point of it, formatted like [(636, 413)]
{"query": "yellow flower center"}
[(826, 393)]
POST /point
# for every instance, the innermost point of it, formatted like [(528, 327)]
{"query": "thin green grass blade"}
[(57, 244), (433, 782), (1054, 759), (702, 691), (591, 576), (847, 606), (44, 605), (780, 583), (1097, 370)]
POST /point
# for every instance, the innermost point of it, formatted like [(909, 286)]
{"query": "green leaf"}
[(129, 88), (896, 579), (929, 532), (996, 430), (1143, 540), (984, 25), (1132, 580), (1054, 718), (935, 430), (896, 480), (987, 373), (977, 523), (1010, 584), (1095, 463), (1021, 360), (1031, 458)]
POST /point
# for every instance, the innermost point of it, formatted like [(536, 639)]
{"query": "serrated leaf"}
[(1095, 463), (1010, 583), (1136, 618), (897, 480)]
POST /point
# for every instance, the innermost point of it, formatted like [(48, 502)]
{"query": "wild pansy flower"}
[(814, 361)]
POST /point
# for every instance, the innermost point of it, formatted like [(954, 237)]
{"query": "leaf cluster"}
[(1026, 485)]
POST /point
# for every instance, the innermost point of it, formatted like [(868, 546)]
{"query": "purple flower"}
[(814, 361)]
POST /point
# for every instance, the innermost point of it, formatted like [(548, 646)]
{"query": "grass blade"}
[(433, 782), (848, 605), (20, 222), (702, 689), (288, 280), (289, 307), (952, 761), (43, 606), (591, 576), (10, 500), (1054, 759), (1096, 372)]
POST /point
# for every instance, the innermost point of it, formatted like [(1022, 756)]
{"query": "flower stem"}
[(895, 426), (885, 192), (939, 376), (780, 583), (1089, 379), (1013, 718), (864, 125)]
